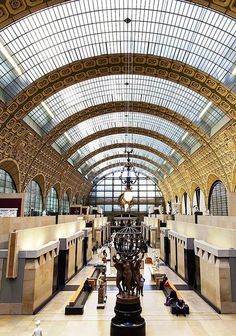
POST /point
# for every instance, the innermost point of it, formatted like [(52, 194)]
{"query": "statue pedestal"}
[(127, 321)]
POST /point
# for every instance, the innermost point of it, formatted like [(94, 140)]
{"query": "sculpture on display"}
[(157, 263), (175, 208), (128, 275), (38, 330), (130, 248), (102, 290), (195, 208)]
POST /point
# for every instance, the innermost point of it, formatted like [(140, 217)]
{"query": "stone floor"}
[(202, 321)]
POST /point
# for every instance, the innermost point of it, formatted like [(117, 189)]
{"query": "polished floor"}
[(202, 321)]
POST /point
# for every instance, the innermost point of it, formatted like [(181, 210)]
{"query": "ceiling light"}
[(172, 152), (47, 109), (234, 72), (184, 136), (10, 59), (164, 162), (204, 110), (128, 176)]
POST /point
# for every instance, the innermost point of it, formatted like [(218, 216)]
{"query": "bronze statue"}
[(118, 264), (136, 274), (127, 276), (130, 250), (129, 245)]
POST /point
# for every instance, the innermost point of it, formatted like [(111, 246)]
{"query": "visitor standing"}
[(141, 284)]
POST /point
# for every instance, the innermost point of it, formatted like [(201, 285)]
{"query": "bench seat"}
[(77, 293), (174, 309)]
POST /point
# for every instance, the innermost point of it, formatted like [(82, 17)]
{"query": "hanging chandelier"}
[(128, 176)]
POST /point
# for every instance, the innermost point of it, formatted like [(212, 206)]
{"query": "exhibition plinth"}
[(128, 321)]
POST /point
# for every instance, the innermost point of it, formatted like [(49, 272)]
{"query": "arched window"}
[(65, 204), (218, 201), (7, 184), (107, 190), (52, 201), (199, 200), (33, 200), (186, 206)]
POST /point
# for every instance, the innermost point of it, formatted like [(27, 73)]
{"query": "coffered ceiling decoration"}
[(88, 79)]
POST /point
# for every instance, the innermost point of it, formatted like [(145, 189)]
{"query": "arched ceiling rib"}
[(118, 160), (100, 66), (100, 151), (141, 107), (11, 12), (118, 163), (174, 42), (116, 169), (137, 160), (160, 169), (118, 130), (123, 140), (123, 153), (132, 89), (51, 38), (128, 120)]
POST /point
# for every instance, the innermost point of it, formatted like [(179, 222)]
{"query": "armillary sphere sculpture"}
[(130, 248)]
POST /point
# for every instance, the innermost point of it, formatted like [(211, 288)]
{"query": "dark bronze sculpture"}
[(128, 275), (130, 249), (118, 264)]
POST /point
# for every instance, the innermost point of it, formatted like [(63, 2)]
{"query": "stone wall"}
[(79, 253), (216, 284), (180, 258), (71, 258), (172, 252), (90, 244)]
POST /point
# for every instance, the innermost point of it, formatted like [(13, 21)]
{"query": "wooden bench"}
[(173, 307), (77, 293), (79, 298), (172, 287)]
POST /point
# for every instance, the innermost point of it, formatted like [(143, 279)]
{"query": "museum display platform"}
[(128, 321)]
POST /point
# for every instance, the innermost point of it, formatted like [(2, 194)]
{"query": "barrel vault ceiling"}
[(95, 78)]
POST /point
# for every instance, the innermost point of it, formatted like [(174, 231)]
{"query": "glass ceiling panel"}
[(75, 30), (113, 88), (122, 139), (122, 119), (121, 151), (135, 161)]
